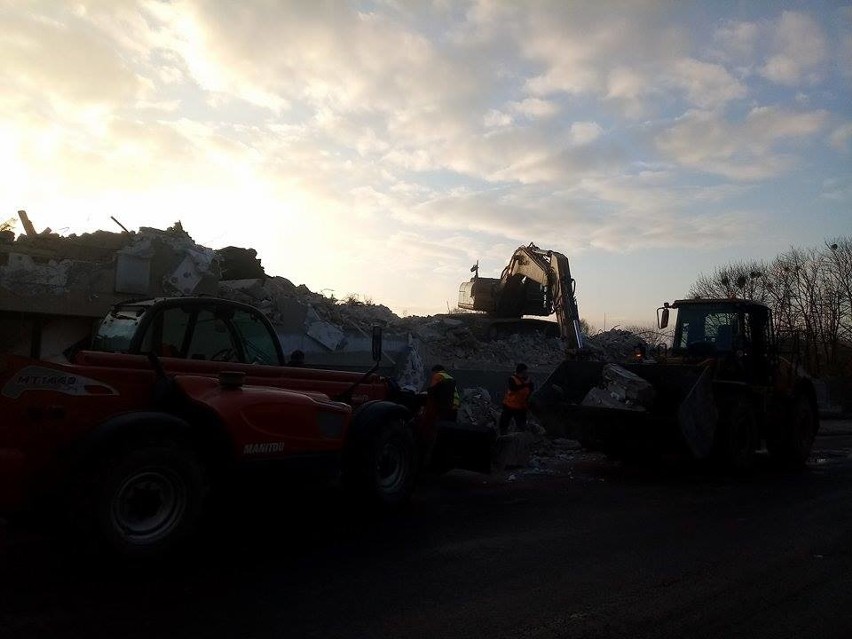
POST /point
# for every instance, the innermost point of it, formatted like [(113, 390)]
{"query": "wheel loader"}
[(722, 391)]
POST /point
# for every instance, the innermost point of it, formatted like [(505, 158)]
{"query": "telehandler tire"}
[(380, 470), (150, 499)]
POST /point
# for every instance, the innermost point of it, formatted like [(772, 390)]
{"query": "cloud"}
[(628, 87), (707, 86), (535, 108), (841, 136), (383, 129), (580, 43), (583, 133), (798, 51), (844, 47), (790, 50), (837, 189), (736, 41), (52, 64), (743, 151)]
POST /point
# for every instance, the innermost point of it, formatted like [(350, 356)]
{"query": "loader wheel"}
[(791, 439), (736, 436), (380, 469), (150, 500)]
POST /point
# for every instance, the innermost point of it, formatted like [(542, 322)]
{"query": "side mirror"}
[(662, 317), (377, 344)]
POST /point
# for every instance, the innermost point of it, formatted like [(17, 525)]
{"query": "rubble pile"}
[(615, 345), (454, 343), (358, 315), (270, 295), (84, 275)]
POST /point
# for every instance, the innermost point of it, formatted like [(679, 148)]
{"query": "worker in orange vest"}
[(516, 400)]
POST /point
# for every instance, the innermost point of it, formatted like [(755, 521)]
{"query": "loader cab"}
[(737, 333)]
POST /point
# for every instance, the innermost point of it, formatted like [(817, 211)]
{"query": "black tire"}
[(791, 438), (736, 436), (150, 500), (380, 468)]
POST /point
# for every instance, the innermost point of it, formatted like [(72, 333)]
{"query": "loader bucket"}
[(681, 417)]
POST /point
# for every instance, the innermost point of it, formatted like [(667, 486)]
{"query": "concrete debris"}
[(622, 390), (240, 263), (411, 373), (628, 387), (615, 345), (477, 408), (326, 333), (513, 450), (603, 398), (83, 276)]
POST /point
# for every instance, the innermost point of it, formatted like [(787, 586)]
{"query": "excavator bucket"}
[(680, 416)]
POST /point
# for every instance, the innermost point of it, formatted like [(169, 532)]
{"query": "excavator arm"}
[(565, 301)]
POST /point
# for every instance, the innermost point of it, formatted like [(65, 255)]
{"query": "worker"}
[(440, 404), (297, 358), (516, 400), (442, 394)]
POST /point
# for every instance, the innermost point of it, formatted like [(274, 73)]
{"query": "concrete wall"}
[(47, 337)]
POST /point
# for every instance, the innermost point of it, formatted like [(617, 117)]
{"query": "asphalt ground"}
[(582, 548)]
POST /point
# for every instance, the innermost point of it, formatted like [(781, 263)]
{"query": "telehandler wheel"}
[(791, 439), (151, 498), (380, 469), (737, 436)]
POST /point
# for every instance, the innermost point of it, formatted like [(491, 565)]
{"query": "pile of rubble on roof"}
[(43, 271)]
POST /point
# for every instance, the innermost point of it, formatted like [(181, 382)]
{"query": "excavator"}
[(534, 282)]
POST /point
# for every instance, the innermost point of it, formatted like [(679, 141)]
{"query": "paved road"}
[(596, 551)]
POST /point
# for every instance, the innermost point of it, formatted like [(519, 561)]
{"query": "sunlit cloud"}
[(423, 135)]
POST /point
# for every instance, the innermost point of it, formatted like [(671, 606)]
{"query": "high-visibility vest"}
[(439, 377), (517, 399)]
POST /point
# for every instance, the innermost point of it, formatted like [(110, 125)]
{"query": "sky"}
[(380, 149)]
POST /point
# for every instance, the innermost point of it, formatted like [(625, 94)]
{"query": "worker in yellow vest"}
[(443, 394), (516, 400)]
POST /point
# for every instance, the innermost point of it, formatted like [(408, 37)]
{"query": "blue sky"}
[(381, 148)]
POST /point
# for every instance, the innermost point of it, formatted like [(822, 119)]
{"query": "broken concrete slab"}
[(628, 387), (513, 450), (326, 333), (240, 263), (605, 398)]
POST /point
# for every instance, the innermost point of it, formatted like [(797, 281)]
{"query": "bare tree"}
[(737, 279), (839, 254), (809, 291)]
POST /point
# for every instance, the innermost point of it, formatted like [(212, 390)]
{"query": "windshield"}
[(706, 326), (117, 329)]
